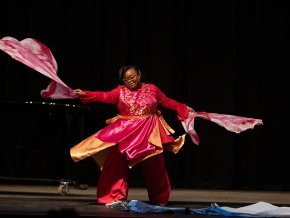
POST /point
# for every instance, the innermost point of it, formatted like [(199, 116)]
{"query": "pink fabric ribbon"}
[(232, 123), (37, 56)]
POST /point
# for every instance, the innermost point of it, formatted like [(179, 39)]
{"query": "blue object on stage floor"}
[(142, 207), (260, 209)]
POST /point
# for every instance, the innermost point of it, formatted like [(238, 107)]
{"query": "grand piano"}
[(36, 138)]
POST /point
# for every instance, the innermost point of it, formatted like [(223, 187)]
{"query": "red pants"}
[(113, 181)]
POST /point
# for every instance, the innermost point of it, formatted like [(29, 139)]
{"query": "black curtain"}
[(217, 56)]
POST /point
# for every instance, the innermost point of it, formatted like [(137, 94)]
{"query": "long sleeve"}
[(110, 97), (180, 108)]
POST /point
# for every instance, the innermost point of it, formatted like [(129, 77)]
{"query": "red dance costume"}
[(138, 134)]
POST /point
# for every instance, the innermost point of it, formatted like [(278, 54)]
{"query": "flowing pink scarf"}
[(39, 57), (231, 123), (36, 55)]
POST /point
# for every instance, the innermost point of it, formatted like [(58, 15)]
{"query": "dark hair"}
[(124, 69)]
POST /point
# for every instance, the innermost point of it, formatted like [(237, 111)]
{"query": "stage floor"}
[(46, 201)]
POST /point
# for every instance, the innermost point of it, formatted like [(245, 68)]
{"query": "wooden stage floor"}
[(46, 201)]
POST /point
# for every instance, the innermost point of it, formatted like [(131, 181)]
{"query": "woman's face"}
[(132, 79)]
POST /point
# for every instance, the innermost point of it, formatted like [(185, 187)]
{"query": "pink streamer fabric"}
[(231, 123), (37, 56)]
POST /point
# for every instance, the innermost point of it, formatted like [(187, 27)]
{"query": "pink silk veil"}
[(37, 56), (231, 123)]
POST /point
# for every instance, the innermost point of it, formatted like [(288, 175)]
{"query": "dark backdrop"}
[(217, 56)]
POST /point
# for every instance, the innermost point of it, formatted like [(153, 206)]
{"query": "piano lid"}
[(42, 106)]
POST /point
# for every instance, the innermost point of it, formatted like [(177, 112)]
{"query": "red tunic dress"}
[(139, 130)]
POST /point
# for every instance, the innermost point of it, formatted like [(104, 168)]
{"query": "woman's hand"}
[(190, 109), (79, 92)]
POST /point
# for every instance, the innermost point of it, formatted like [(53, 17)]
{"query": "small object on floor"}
[(63, 188)]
